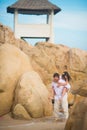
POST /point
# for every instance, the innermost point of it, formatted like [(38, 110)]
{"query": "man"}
[(56, 92)]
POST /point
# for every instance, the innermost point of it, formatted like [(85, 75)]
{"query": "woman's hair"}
[(66, 74)]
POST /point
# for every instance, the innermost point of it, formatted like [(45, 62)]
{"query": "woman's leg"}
[(65, 106)]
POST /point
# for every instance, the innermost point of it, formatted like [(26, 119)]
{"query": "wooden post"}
[(50, 22), (51, 27), (15, 23)]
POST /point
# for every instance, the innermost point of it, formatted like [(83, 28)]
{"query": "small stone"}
[(20, 112)]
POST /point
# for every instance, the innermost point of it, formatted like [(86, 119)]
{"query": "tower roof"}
[(33, 7)]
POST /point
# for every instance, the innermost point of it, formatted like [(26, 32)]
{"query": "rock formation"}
[(7, 37), (47, 58), (78, 115), (13, 63), (44, 58)]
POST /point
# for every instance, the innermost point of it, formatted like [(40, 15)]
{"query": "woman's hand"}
[(62, 84)]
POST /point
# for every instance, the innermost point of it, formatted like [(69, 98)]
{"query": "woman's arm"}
[(62, 84)]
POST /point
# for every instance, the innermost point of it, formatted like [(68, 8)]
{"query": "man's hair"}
[(56, 75)]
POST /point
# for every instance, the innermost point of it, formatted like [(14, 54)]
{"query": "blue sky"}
[(70, 25)]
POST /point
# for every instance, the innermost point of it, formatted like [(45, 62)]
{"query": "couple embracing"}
[(60, 88)]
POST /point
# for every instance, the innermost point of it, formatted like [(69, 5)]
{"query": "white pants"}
[(64, 105)]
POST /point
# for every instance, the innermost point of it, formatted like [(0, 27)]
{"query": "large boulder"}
[(80, 87), (78, 115), (33, 95), (78, 60), (13, 63), (71, 98)]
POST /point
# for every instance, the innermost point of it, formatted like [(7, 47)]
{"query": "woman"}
[(60, 89), (64, 81)]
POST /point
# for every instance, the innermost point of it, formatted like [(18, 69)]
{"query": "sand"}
[(47, 123)]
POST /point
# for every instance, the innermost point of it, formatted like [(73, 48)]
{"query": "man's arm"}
[(53, 93)]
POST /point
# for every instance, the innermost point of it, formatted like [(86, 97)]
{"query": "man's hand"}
[(53, 101)]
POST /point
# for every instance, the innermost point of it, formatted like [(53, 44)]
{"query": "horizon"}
[(70, 25)]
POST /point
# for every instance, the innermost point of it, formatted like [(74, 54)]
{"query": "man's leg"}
[(56, 109)]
